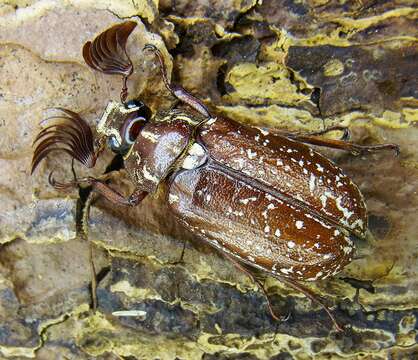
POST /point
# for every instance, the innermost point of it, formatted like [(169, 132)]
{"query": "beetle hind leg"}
[(296, 135), (309, 294), (355, 149), (252, 276)]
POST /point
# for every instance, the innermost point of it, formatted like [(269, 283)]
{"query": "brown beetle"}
[(265, 200)]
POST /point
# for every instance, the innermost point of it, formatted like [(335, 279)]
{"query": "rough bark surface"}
[(299, 65)]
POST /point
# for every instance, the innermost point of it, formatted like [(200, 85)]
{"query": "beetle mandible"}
[(266, 200)]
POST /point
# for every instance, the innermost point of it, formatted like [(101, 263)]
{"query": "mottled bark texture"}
[(298, 65)]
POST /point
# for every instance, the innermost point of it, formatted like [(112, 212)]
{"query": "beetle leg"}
[(296, 135), (176, 90), (250, 274), (309, 294), (180, 260), (103, 189), (344, 145), (346, 132), (114, 196)]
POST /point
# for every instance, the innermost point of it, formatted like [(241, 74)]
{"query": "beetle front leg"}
[(114, 196), (103, 189), (176, 90)]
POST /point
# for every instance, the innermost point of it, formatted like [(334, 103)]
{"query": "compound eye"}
[(131, 129)]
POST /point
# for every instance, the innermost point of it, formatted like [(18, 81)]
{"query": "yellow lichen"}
[(260, 83), (134, 292), (333, 67)]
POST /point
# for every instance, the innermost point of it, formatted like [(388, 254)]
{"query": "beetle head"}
[(121, 124)]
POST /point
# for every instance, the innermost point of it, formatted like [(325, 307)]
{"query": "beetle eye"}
[(132, 128)]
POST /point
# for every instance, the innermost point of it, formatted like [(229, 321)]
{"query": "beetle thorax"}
[(160, 145)]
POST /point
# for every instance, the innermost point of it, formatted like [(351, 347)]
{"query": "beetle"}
[(266, 200)]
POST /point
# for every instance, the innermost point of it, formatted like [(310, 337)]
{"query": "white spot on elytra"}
[(287, 271), (344, 210), (267, 229), (240, 162), (247, 200), (291, 244), (312, 183), (299, 224), (323, 199), (277, 233), (347, 249), (318, 275), (320, 168), (251, 155)]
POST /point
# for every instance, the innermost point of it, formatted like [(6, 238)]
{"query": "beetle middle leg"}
[(176, 90)]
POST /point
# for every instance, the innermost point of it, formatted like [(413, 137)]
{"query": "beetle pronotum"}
[(266, 200)]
